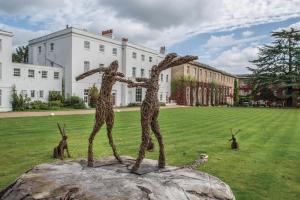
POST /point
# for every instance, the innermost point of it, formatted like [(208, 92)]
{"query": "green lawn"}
[(267, 166)]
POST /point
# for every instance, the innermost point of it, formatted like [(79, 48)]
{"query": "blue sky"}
[(223, 33)]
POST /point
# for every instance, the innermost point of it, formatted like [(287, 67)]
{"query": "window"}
[(149, 71), (40, 49), (133, 72), (101, 65), (52, 64), (86, 66), (138, 94), (161, 96), (56, 75), (195, 71), (150, 59), (41, 93), (86, 44), (44, 74), (167, 78), (143, 57), (188, 70), (0, 97), (0, 70), (161, 77), (24, 93), (51, 46), (86, 95), (142, 72), (113, 97), (17, 72), (101, 48), (114, 51), (32, 93), (134, 55), (0, 44), (31, 73)]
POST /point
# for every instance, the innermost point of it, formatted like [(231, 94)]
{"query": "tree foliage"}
[(21, 55), (93, 96), (278, 64)]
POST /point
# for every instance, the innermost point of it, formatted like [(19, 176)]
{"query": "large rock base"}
[(109, 180)]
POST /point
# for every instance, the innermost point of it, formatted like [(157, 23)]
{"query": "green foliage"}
[(21, 55), (39, 105), (19, 102), (74, 102), (55, 104), (236, 93), (134, 104), (278, 65), (55, 96), (93, 96)]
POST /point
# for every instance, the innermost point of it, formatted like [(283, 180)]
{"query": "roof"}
[(6, 32), (206, 66)]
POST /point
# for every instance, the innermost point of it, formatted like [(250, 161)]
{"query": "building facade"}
[(57, 58), (33, 81), (77, 51), (200, 84)]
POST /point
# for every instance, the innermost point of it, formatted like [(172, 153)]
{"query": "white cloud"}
[(236, 59), (152, 23), (247, 33), (216, 42)]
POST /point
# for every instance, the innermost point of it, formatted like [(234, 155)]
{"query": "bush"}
[(93, 96), (74, 102), (55, 104), (162, 104), (39, 105), (134, 104), (55, 96), (19, 103)]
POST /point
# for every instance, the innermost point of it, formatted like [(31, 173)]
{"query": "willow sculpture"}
[(234, 143), (104, 107), (150, 106)]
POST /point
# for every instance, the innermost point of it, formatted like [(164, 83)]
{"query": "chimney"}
[(67, 26), (162, 50), (124, 40), (107, 33)]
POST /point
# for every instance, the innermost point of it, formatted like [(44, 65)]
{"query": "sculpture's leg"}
[(156, 130), (109, 127), (96, 128), (67, 149), (145, 122), (61, 152), (150, 146)]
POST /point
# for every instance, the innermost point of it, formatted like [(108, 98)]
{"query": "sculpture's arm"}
[(120, 74), (142, 79), (124, 80), (91, 72), (178, 61), (144, 85)]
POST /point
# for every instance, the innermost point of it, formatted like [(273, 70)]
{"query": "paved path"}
[(72, 112)]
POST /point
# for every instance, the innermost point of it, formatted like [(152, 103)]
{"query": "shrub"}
[(55, 96), (39, 105), (55, 104), (74, 102), (162, 104), (134, 104), (19, 102), (93, 96)]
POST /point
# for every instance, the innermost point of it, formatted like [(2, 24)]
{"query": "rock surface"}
[(109, 180)]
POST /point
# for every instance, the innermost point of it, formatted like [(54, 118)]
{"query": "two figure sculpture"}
[(149, 107)]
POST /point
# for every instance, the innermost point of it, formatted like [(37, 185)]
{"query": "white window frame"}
[(101, 65), (161, 77), (86, 66), (87, 45), (0, 70), (31, 73), (101, 48), (133, 72), (167, 77), (56, 75), (143, 57), (86, 95), (150, 59), (114, 51), (138, 94), (52, 46), (0, 44), (44, 74), (0, 97), (41, 93), (24, 93), (142, 72), (161, 96), (17, 72), (32, 93), (40, 49), (134, 55)]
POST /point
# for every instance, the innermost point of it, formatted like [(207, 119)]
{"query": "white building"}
[(73, 51), (30, 80)]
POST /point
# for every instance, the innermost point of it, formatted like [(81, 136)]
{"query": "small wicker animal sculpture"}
[(150, 106), (58, 152), (234, 143), (104, 107)]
